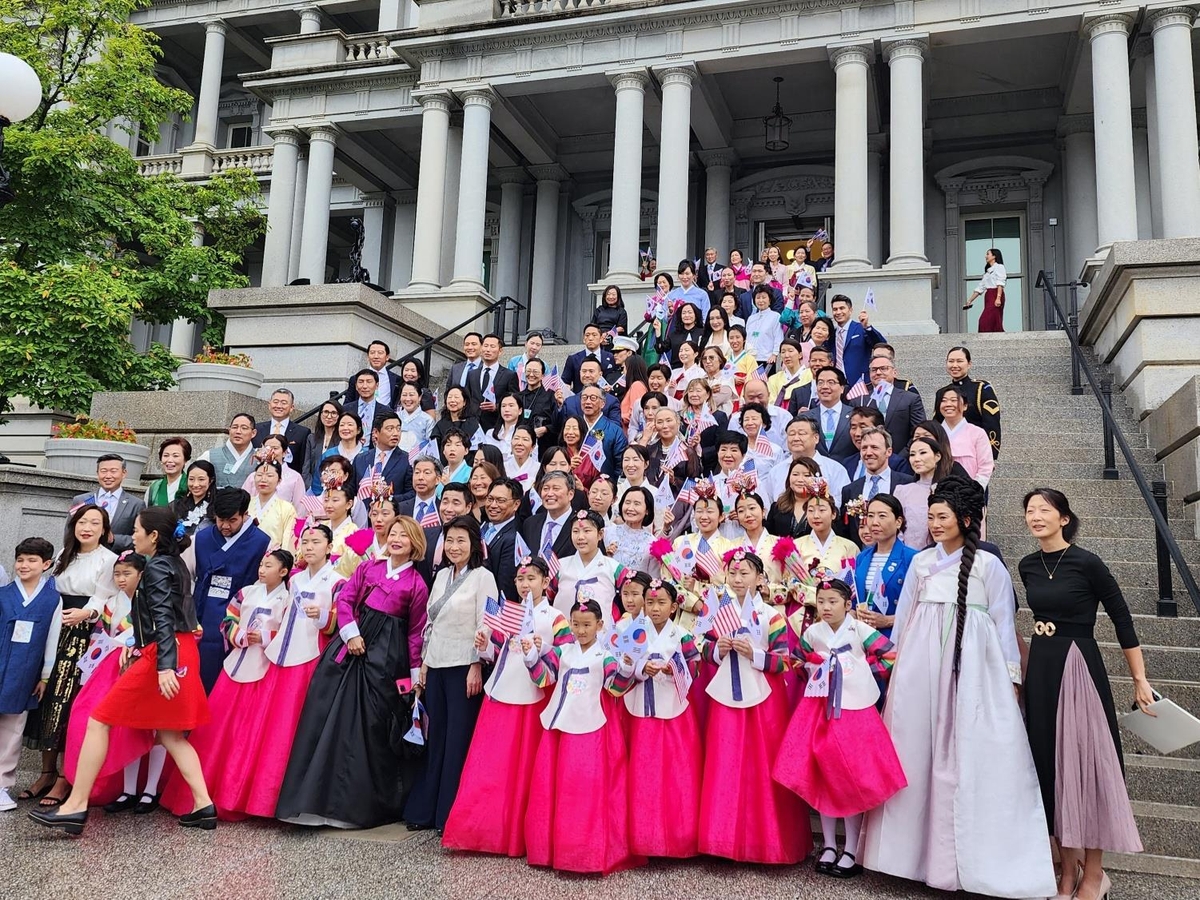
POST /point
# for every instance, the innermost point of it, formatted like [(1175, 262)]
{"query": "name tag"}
[(219, 587), (22, 632)]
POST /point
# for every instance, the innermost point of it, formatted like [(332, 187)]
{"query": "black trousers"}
[(452, 716)]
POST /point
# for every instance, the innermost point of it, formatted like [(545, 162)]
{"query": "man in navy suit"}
[(499, 533), (551, 524), (831, 414), (592, 336), (282, 404), (863, 418), (472, 344), (852, 341), (490, 377), (589, 374), (902, 411), (426, 479), (385, 461), (878, 478), (387, 391), (591, 402)]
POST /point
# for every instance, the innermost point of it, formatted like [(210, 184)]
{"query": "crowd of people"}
[(719, 570)]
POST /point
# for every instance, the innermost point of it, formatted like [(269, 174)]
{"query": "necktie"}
[(548, 543), (488, 530), (471, 366), (841, 348), (881, 400), (874, 487), (422, 510), (830, 426), (278, 428), (486, 379)]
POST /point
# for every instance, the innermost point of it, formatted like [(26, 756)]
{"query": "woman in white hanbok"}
[(971, 817)]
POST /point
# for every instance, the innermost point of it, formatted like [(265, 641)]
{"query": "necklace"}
[(1057, 564)]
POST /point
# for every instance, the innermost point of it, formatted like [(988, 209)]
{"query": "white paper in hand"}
[(1171, 728)]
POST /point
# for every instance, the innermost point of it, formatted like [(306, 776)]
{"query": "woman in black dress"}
[(1069, 712)]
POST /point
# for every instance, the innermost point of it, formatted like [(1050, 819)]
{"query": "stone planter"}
[(79, 455), (217, 377)]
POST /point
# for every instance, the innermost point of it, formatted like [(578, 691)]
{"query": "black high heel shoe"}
[(71, 823), (121, 804), (205, 818)]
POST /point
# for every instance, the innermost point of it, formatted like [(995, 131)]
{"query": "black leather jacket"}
[(162, 605)]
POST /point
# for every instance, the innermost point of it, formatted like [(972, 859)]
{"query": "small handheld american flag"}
[(552, 381), (707, 559), (503, 616), (763, 446), (859, 390), (681, 675), (687, 493), (728, 617), (677, 454), (421, 449), (431, 519), (593, 448)]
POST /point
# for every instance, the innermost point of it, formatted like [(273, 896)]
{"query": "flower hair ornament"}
[(381, 490), (262, 454), (742, 482), (816, 487), (331, 480), (705, 490), (854, 508)]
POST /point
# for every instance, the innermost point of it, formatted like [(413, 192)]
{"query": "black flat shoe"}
[(71, 823), (121, 804), (146, 803), (205, 818), (846, 871), (824, 867), (413, 826)]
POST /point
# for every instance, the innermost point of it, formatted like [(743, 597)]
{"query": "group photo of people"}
[(718, 585)]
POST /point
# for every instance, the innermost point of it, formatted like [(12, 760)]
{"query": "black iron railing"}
[(505, 316), (1167, 550)]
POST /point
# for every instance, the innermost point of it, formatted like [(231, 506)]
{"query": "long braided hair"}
[(966, 500)]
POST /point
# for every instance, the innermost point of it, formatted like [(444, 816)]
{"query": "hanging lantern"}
[(777, 125)]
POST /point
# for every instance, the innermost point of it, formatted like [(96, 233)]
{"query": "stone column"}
[(851, 64), (545, 244), (310, 20), (1116, 203), (1141, 176), (314, 240), (404, 224), (472, 186), (1178, 165), (627, 173), (1079, 158), (391, 14), (906, 162), (876, 147), (450, 196), (210, 83), (298, 215), (674, 157), (718, 169), (508, 256), (281, 206), (377, 236), (431, 189)]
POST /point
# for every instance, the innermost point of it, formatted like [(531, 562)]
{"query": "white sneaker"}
[(6, 801)]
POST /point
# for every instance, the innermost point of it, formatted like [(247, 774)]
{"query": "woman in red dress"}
[(160, 686), (992, 288)]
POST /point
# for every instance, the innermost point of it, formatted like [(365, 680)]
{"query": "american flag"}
[(593, 449), (728, 617), (680, 674), (687, 493), (368, 485), (503, 616), (620, 382), (761, 372), (313, 506), (431, 519), (422, 449), (552, 380), (707, 559), (677, 454), (763, 446), (859, 390)]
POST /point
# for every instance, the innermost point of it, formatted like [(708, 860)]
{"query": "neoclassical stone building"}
[(531, 147)]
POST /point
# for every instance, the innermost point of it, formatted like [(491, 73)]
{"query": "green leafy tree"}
[(89, 243)]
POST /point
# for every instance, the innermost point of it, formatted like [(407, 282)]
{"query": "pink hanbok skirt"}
[(665, 772)]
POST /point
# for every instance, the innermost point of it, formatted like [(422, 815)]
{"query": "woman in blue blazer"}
[(880, 569)]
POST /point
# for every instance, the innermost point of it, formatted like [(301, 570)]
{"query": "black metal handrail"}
[(1155, 497), (498, 309)]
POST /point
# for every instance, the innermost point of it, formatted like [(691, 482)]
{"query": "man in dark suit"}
[(852, 341), (121, 506), (589, 374), (878, 478), (592, 337), (831, 414), (423, 506), (902, 411), (861, 419), (472, 344), (591, 402), (550, 526), (282, 404), (886, 349), (709, 275), (758, 277), (804, 398), (490, 378), (500, 534), (384, 460), (388, 390)]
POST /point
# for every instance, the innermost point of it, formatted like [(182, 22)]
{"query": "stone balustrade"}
[(516, 9), (256, 159), (163, 164)]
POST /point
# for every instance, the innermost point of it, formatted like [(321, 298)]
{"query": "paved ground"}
[(120, 857)]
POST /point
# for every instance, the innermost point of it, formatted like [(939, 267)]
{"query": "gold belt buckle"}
[(1044, 629)]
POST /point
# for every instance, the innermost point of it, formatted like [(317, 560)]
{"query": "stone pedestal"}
[(25, 430), (312, 338), (904, 297), (1143, 320), (34, 503), (1174, 430)]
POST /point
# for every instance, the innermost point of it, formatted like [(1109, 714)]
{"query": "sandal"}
[(48, 802), (30, 794)]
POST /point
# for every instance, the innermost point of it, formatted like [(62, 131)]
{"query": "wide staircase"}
[(1052, 438)]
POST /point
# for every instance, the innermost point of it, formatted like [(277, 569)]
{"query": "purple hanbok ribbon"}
[(833, 702)]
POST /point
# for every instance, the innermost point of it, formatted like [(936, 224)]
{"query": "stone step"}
[(1168, 829), (1147, 876), (1110, 549), (1139, 586), (1086, 442), (1052, 470), (1009, 485), (1162, 663), (1162, 779), (1007, 521), (1184, 693)]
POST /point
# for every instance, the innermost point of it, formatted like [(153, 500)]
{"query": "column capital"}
[(323, 131), (679, 73), (216, 26), (284, 134), (510, 175), (310, 14), (1170, 16), (629, 79), (722, 156), (906, 48), (1108, 23), (433, 99), (549, 172), (477, 95), (1076, 124), (847, 54)]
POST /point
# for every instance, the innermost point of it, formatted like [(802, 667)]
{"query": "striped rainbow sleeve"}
[(615, 683), (881, 653), (541, 673), (235, 636), (777, 648), (691, 654), (562, 632)]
